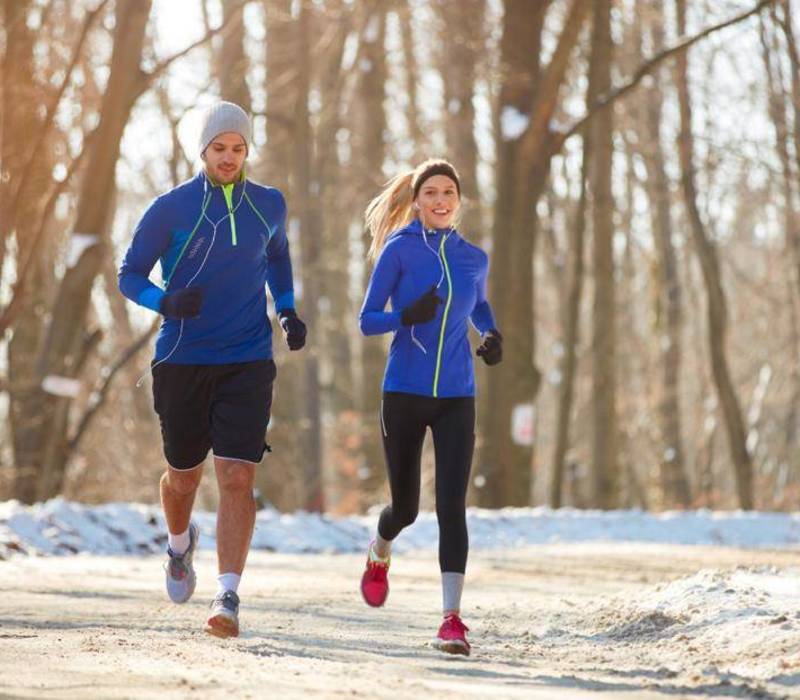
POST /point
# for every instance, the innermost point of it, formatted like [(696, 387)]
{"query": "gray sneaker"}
[(181, 578), (223, 621)]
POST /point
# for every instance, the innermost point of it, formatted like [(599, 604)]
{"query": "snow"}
[(747, 616), (62, 527)]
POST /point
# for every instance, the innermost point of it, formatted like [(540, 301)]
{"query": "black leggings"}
[(404, 419)]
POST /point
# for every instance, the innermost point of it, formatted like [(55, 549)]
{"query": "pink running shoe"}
[(452, 638), (375, 581)]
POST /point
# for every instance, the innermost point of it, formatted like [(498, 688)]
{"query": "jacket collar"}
[(416, 227), (209, 184)]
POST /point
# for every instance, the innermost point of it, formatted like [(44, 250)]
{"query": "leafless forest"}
[(632, 166)]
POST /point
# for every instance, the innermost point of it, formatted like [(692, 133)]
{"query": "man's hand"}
[(293, 328), (183, 303), (491, 350)]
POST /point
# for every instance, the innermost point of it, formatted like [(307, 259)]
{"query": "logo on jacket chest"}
[(196, 245)]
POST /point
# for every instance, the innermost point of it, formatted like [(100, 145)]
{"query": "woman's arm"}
[(373, 319), (482, 316)]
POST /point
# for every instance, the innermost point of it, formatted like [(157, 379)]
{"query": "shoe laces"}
[(377, 569), (177, 566), (454, 622)]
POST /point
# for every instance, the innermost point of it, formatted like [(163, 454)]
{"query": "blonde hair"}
[(392, 209)]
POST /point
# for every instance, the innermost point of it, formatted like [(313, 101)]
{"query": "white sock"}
[(179, 543), (452, 585), (228, 582), (381, 545)]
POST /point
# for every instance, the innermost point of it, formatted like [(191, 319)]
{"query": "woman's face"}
[(438, 202)]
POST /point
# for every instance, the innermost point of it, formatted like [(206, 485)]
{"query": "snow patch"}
[(62, 527)]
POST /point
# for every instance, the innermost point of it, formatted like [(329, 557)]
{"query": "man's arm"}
[(150, 240), (279, 261)]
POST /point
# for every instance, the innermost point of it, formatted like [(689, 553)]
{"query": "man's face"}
[(225, 157)]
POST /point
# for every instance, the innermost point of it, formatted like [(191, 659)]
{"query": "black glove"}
[(491, 350), (422, 310), (183, 303), (294, 329)]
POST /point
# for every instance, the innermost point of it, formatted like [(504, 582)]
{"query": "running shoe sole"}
[(220, 625), (452, 646)]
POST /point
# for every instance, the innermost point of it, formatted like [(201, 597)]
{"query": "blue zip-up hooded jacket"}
[(431, 359), (246, 249)]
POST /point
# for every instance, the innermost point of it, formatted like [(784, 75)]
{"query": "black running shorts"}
[(221, 407)]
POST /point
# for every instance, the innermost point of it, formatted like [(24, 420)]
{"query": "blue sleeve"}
[(279, 262), (150, 240), (482, 317), (373, 318)]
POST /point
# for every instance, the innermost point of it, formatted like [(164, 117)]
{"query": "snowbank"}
[(62, 527), (737, 628)]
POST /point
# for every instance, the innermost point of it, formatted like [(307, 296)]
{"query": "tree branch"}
[(647, 67), (44, 130), (100, 394), (11, 310), (146, 79)]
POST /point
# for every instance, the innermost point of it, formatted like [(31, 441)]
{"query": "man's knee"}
[(235, 476), (182, 481)]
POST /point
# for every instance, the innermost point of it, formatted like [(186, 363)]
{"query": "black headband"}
[(437, 169)]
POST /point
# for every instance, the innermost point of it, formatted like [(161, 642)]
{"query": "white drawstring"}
[(438, 284), (199, 270)]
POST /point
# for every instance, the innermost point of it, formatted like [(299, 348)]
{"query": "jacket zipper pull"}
[(227, 191)]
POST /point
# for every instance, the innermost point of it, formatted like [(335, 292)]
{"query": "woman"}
[(436, 281)]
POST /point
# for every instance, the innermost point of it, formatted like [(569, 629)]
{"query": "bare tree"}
[(669, 314), (368, 154), (605, 460), (528, 99), (709, 264), (233, 62), (459, 55)]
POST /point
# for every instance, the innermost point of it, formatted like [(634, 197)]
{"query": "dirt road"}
[(565, 621)]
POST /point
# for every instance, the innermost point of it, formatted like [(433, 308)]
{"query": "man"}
[(220, 238)]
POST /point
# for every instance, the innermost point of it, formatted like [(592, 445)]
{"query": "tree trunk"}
[(505, 467), (281, 484), (605, 460), (528, 98), (66, 344), (416, 132), (310, 428), (717, 308), (461, 50), (18, 110), (571, 318), (233, 63), (337, 325), (674, 484), (777, 107), (368, 137)]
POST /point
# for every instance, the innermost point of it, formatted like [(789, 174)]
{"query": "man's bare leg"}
[(236, 516), (178, 489)]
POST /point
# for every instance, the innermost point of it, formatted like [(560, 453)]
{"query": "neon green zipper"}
[(227, 190), (444, 318)]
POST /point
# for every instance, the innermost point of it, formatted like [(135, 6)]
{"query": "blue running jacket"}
[(229, 240), (430, 359)]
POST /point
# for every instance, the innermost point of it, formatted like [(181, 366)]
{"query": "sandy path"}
[(546, 622)]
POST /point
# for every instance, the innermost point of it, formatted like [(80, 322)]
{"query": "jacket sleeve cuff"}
[(285, 301), (395, 322), (151, 298)]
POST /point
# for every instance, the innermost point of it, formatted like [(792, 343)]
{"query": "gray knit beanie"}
[(222, 117)]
